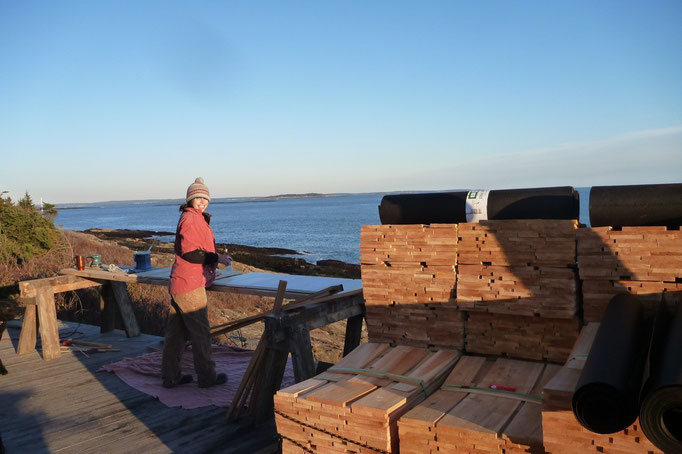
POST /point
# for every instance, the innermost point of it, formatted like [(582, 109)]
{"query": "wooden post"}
[(353, 333), (301, 352), (107, 306), (28, 337), (253, 378), (49, 331), (125, 307), (276, 356)]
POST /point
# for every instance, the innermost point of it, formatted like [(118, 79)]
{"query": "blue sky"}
[(120, 100)]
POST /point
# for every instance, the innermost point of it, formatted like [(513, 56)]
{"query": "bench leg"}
[(107, 306), (47, 317), (264, 390), (125, 307), (301, 353), (353, 333), (27, 338)]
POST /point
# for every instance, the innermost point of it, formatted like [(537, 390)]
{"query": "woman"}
[(193, 271)]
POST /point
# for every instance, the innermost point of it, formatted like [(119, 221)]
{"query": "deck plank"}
[(66, 406)]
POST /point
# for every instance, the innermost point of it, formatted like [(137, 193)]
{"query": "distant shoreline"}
[(178, 202), (266, 258), (310, 195)]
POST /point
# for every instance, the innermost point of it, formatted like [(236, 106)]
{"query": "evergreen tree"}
[(49, 210), (27, 202), (24, 233)]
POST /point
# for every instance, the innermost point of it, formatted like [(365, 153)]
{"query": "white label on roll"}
[(477, 205)]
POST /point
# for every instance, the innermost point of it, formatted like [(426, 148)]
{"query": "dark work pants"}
[(188, 320)]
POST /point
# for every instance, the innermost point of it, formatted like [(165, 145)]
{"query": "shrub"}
[(24, 233)]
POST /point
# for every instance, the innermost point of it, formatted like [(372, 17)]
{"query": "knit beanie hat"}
[(198, 189)]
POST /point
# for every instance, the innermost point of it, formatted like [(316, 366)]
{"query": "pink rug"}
[(144, 374)]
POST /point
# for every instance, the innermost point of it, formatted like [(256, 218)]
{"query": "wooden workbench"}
[(287, 331)]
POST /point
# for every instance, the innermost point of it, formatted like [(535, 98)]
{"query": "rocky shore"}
[(270, 259)]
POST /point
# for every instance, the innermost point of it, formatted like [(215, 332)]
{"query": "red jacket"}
[(193, 233)]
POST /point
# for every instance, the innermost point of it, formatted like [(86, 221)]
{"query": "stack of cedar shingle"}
[(355, 405), (517, 280), (643, 261), (409, 279), (562, 433), (484, 406)]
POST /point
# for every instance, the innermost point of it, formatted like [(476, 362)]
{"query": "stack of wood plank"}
[(439, 325), (484, 406), (355, 405), (562, 433), (535, 338), (409, 280), (521, 290), (517, 281), (643, 261), (530, 242)]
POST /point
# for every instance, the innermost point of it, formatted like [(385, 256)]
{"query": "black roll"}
[(606, 399), (638, 205), (450, 207), (430, 208), (661, 411)]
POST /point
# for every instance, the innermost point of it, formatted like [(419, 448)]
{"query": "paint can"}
[(143, 260)]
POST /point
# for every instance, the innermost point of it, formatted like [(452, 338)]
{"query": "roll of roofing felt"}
[(652, 204), (606, 399), (471, 206), (661, 411)]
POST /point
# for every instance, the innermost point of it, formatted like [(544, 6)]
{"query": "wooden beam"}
[(58, 284), (315, 314), (246, 321)]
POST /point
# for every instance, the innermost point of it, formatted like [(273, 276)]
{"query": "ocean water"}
[(318, 228)]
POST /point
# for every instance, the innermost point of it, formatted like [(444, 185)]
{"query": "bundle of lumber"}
[(534, 242), (408, 263), (562, 433), (439, 325), (520, 290), (525, 267), (407, 283), (484, 406), (355, 405), (535, 338), (409, 280), (643, 261), (434, 244), (517, 281)]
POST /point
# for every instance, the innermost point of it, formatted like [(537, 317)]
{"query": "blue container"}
[(143, 260)]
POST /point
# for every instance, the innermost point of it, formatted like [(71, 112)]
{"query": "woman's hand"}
[(224, 259)]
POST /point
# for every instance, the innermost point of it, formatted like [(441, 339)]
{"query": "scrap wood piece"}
[(246, 321)]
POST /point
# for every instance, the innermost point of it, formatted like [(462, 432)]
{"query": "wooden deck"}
[(66, 406)]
